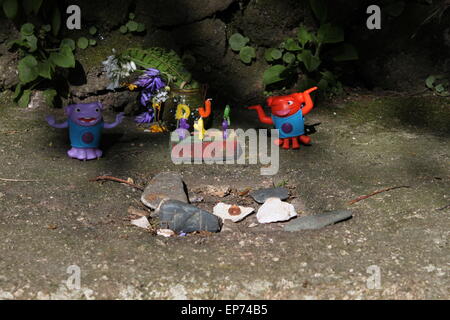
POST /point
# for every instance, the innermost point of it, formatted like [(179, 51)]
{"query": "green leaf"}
[(46, 27), (132, 25), (395, 9), (304, 36), (237, 41), (123, 29), (93, 30), (344, 52), (92, 42), (67, 42), (64, 58), (329, 33), (27, 69), (17, 91), (322, 84), (439, 88), (141, 27), (27, 29), (56, 21), (274, 74), (131, 16), (291, 45), (83, 43), (247, 54), (45, 69), (429, 81), (320, 9), (25, 98), (272, 54), (49, 96), (36, 5), (310, 61), (289, 57), (27, 6), (31, 43), (10, 8)]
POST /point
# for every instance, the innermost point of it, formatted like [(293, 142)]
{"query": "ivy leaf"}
[(439, 88), (27, 29), (49, 96), (132, 25), (131, 16), (64, 58), (83, 43), (56, 21), (344, 52), (304, 36), (27, 69), (329, 33), (36, 5), (291, 45), (310, 61), (141, 27), (429, 81), (320, 9), (272, 54), (289, 57), (92, 42), (247, 54), (17, 91), (274, 74), (93, 30), (45, 69), (123, 29), (31, 42), (25, 98), (10, 8), (237, 41), (67, 42)]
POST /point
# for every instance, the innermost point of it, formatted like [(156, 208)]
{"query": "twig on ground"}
[(102, 178), (17, 180), (444, 207), (376, 192)]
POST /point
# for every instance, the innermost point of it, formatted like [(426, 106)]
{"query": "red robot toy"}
[(287, 114)]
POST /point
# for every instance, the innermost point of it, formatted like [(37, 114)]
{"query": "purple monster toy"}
[(85, 123)]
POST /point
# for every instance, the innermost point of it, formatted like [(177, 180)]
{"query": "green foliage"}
[(132, 26), (239, 43), (440, 84), (309, 53), (83, 43), (168, 62), (40, 63)]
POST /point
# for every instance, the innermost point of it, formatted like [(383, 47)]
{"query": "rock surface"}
[(179, 216), (274, 210), (165, 185), (262, 195), (318, 221), (231, 212)]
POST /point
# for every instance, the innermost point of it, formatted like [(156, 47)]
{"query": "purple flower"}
[(151, 80), (145, 117)]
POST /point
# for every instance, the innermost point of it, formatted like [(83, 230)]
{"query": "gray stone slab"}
[(318, 221), (262, 195), (165, 185)]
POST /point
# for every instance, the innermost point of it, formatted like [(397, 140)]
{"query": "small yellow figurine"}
[(199, 127)]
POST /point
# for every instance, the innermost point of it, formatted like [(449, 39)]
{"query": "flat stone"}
[(318, 221), (262, 195), (165, 185), (180, 216), (274, 210)]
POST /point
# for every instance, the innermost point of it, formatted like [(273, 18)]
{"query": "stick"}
[(17, 180), (100, 178), (444, 207), (374, 193)]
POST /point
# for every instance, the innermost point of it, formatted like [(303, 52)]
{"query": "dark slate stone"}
[(262, 195), (179, 216), (318, 221)]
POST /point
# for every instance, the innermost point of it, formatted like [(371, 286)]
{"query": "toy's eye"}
[(302, 105), (290, 103), (97, 110), (78, 110)]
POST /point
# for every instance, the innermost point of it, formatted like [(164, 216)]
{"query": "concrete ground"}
[(362, 145)]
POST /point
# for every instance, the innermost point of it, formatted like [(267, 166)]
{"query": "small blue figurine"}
[(85, 123)]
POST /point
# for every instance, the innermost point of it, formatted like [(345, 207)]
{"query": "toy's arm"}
[(51, 121), (262, 116), (205, 112), (308, 101), (119, 119)]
